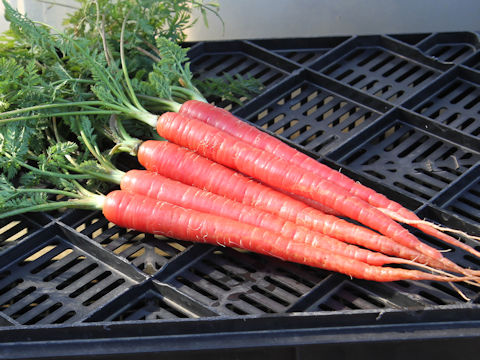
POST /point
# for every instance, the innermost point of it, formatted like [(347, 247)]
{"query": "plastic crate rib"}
[(473, 62), (468, 204), (302, 51), (14, 229), (399, 113)]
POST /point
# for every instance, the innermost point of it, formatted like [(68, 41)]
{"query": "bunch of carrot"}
[(205, 169), (215, 179)]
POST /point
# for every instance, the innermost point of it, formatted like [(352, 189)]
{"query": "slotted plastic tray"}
[(398, 113)]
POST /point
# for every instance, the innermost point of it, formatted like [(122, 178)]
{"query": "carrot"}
[(226, 121), (157, 217), (266, 167), (156, 186), (184, 165)]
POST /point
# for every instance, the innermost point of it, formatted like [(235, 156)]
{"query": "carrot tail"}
[(433, 230)]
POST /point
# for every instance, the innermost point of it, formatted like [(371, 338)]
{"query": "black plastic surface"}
[(400, 113)]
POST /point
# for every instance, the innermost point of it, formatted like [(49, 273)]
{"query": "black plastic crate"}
[(474, 61), (56, 277), (398, 113), (231, 282), (13, 230), (466, 204)]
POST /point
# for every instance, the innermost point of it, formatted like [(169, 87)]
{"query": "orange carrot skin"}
[(146, 214), (181, 164), (229, 151), (226, 121), (165, 189)]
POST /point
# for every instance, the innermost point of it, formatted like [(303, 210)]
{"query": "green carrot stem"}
[(147, 118), (82, 81), (95, 202), (52, 106), (124, 142), (128, 83), (111, 175), (119, 129), (167, 105), (51, 173), (189, 93), (42, 116), (94, 149), (43, 190)]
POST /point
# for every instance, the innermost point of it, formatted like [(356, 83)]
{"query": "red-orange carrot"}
[(226, 121), (152, 216), (184, 165), (266, 167), (159, 187)]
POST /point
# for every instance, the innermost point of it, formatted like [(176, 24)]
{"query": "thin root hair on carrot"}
[(425, 225)]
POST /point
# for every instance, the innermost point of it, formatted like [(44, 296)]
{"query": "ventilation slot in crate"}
[(13, 230), (434, 293), (364, 295), (450, 47), (302, 56), (450, 52), (152, 307), (150, 301), (302, 51), (349, 296), (473, 62)]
